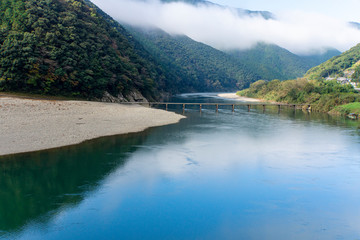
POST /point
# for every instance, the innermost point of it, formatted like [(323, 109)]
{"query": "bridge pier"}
[(200, 107), (249, 107), (233, 107), (166, 107), (217, 107)]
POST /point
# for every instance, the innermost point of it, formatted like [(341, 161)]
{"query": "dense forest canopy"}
[(67, 47), (273, 62), (197, 67)]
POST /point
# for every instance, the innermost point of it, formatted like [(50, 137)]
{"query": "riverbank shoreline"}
[(237, 97), (28, 125)]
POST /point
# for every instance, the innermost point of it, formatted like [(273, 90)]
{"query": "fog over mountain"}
[(225, 29)]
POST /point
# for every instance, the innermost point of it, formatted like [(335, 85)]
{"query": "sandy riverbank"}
[(237, 97), (32, 125)]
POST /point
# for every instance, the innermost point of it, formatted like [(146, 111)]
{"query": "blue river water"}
[(242, 175)]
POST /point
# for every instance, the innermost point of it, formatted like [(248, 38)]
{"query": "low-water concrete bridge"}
[(218, 105)]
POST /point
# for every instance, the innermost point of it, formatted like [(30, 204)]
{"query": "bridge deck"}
[(217, 105)]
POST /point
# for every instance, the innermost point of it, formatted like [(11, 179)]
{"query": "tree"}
[(356, 76)]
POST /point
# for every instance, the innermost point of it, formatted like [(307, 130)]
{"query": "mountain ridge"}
[(203, 68), (337, 65), (274, 62), (240, 11)]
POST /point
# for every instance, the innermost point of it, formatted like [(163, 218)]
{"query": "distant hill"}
[(355, 25), (71, 48), (196, 66), (273, 62), (240, 11), (336, 66), (317, 59), (192, 2)]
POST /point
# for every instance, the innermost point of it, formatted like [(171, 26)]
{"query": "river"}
[(242, 175)]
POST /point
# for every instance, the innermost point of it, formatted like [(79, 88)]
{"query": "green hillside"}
[(317, 59), (336, 66), (70, 48), (196, 66), (323, 95), (273, 62)]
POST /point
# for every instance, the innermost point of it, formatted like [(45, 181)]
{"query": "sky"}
[(347, 10), (302, 27)]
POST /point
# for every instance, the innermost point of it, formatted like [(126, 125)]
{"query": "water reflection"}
[(242, 175), (41, 183)]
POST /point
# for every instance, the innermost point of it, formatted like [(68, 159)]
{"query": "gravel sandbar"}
[(32, 125)]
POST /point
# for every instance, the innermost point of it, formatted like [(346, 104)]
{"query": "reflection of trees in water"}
[(35, 184), (299, 115)]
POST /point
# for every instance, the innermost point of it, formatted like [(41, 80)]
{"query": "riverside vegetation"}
[(323, 95)]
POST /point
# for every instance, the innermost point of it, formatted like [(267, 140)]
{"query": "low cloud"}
[(223, 28)]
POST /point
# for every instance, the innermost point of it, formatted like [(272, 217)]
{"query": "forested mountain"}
[(198, 67), (217, 70), (328, 95), (273, 62), (336, 66), (268, 61), (70, 48), (317, 59)]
